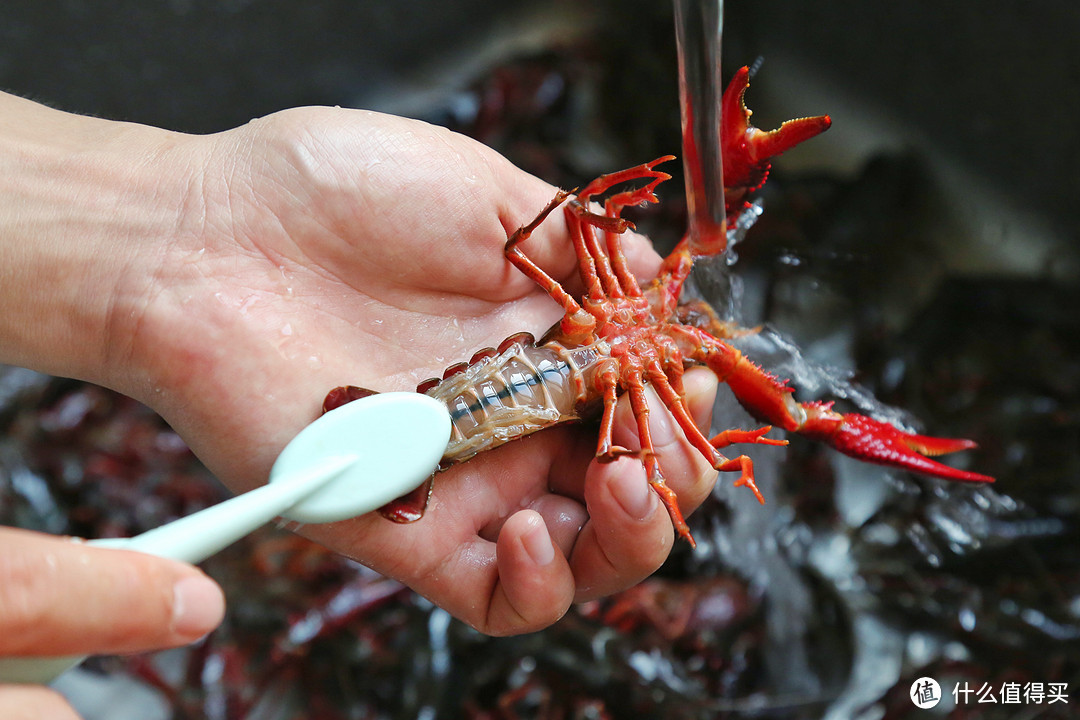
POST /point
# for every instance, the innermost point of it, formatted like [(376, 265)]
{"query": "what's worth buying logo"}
[(925, 693)]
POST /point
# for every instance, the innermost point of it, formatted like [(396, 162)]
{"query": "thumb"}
[(59, 597)]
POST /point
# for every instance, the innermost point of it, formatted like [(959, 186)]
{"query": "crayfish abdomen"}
[(509, 393)]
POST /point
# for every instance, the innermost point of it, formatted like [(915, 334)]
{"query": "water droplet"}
[(286, 330)]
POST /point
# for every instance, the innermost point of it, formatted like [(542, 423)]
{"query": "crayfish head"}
[(615, 316)]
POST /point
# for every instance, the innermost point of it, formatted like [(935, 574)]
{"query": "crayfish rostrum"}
[(621, 335)]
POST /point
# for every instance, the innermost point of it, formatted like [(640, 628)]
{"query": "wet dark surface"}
[(877, 274)]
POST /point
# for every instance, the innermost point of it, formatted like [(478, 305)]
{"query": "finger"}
[(59, 597), (484, 550), (578, 447), (564, 517), (34, 702), (699, 388), (629, 534), (535, 586), (686, 471), (550, 247), (641, 257)]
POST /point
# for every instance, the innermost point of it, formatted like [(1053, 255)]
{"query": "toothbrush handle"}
[(198, 536), (192, 539), (35, 670)]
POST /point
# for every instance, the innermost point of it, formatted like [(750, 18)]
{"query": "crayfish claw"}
[(749, 150), (927, 445), (874, 441)]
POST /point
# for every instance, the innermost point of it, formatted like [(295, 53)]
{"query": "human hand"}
[(319, 247), (60, 598)]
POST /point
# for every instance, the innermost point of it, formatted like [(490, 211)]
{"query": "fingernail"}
[(537, 542), (198, 605), (701, 387), (633, 495)]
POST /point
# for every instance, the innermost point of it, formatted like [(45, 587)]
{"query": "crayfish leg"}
[(609, 180), (707, 447), (640, 407), (605, 271), (596, 273), (607, 382), (745, 466), (752, 437), (576, 321)]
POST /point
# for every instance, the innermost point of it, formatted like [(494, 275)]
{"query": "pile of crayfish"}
[(622, 334)]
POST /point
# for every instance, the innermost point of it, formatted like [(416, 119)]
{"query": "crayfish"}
[(621, 335)]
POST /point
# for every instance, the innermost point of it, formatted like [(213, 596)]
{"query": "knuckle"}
[(26, 598), (143, 598)]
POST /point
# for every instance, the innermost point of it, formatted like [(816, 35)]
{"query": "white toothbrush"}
[(348, 462)]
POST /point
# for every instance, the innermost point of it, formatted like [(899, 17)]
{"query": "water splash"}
[(814, 379)]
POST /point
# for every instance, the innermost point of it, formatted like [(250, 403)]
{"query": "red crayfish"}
[(622, 334)]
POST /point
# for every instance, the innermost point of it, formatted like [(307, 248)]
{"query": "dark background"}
[(928, 244), (989, 87)]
